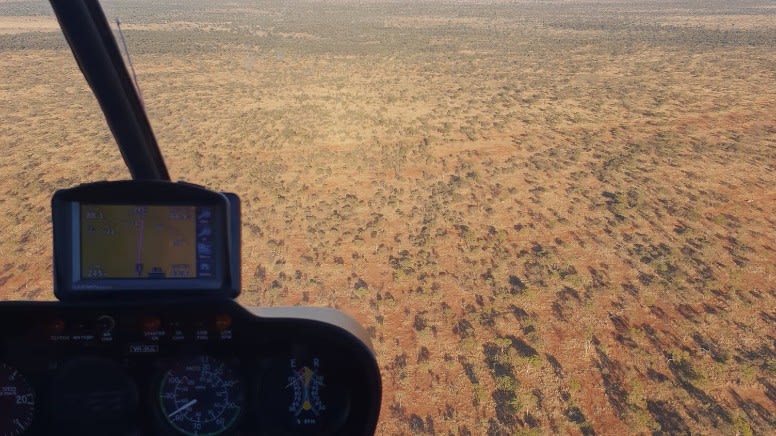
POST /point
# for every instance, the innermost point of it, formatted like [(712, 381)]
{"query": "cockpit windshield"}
[(551, 216)]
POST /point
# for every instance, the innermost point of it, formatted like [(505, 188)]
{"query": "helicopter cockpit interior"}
[(146, 337)]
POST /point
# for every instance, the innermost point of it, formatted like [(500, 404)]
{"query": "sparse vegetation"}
[(552, 217)]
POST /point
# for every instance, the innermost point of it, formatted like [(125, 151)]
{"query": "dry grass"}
[(16, 25), (552, 218)]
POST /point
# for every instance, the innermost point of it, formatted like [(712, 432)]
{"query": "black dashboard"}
[(146, 338), (184, 367)]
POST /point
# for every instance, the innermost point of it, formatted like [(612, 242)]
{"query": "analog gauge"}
[(17, 402), (201, 396), (305, 383), (93, 396), (298, 396)]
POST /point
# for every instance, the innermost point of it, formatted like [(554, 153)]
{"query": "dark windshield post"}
[(94, 47)]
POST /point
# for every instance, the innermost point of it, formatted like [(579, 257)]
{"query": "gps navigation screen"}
[(154, 242)]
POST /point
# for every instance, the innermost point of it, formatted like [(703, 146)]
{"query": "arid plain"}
[(552, 217)]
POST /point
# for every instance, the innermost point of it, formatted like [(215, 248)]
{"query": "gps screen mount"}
[(145, 238)]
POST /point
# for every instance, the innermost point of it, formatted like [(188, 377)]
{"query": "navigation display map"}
[(141, 241)]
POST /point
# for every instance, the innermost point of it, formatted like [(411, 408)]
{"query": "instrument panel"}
[(184, 367)]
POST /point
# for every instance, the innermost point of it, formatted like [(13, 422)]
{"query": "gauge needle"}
[(183, 407)]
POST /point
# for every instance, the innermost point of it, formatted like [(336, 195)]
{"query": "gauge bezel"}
[(25, 423), (167, 427), (274, 375), (93, 386)]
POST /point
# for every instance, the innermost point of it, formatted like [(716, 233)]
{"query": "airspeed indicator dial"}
[(201, 396)]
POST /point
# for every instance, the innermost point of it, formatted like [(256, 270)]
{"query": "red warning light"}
[(223, 322), (56, 326), (151, 324)]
